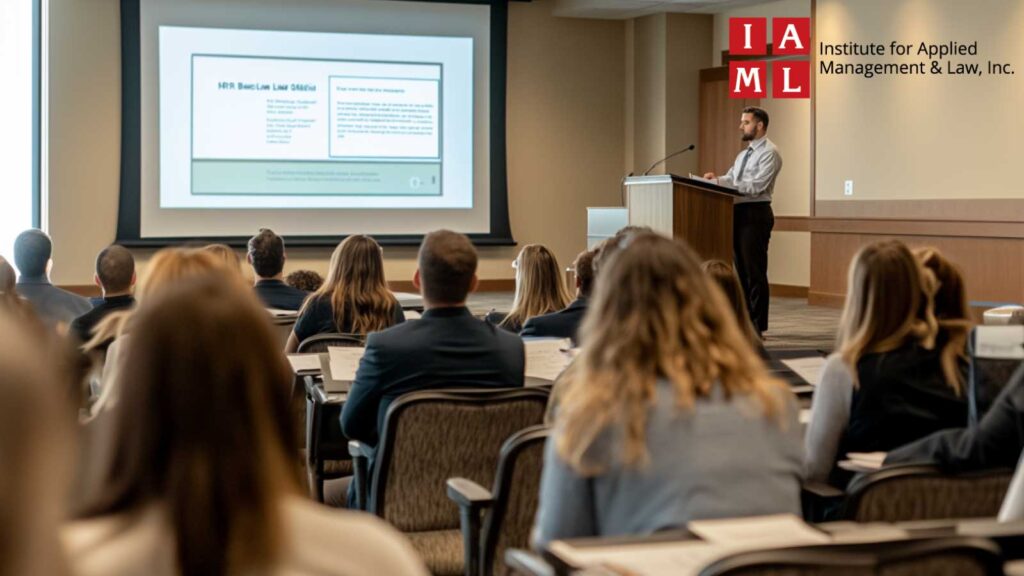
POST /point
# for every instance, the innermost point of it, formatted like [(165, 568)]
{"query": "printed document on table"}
[(546, 359), (304, 362), (809, 368), (344, 362), (758, 531)]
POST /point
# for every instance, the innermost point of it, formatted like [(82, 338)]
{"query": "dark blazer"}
[(82, 326), (496, 318), (446, 348), (277, 294), (51, 303), (561, 324), (996, 442)]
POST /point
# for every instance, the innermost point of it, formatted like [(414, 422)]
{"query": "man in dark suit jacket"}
[(996, 442), (57, 307), (446, 348), (115, 275), (565, 322), (266, 255)]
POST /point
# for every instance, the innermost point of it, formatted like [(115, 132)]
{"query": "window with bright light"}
[(18, 98)]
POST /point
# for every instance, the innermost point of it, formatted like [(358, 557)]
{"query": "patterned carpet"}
[(792, 322)]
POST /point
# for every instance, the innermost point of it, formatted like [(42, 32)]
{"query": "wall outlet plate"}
[(848, 188)]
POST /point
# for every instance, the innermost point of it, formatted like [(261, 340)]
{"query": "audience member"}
[(724, 276), (10, 300), (565, 322), (32, 250), (227, 254), (539, 288), (306, 280), (354, 299), (446, 348), (885, 386), (115, 275), (203, 480), (951, 312), (35, 450), (667, 415), (604, 251), (267, 256)]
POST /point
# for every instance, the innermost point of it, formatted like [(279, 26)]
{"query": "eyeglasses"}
[(515, 264)]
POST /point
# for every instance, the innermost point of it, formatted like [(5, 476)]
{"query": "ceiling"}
[(624, 9)]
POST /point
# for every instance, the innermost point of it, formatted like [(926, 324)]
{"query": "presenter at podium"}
[(753, 175)]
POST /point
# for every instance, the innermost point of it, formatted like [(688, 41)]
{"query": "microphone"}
[(672, 155)]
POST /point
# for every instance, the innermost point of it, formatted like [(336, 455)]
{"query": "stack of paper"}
[(863, 461), (809, 368), (546, 359), (304, 363), (344, 362), (278, 313)]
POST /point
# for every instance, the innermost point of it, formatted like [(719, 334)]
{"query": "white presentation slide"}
[(279, 120)]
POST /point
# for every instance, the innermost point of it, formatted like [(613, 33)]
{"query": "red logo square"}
[(748, 36), (748, 79), (791, 79), (791, 36)]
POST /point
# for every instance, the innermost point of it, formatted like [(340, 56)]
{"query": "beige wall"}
[(566, 118)]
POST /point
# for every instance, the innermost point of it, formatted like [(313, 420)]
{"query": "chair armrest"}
[(472, 498), (467, 493), (360, 480), (821, 501)]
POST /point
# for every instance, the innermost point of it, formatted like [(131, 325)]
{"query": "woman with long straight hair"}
[(204, 481), (667, 415), (885, 386), (354, 299), (540, 288)]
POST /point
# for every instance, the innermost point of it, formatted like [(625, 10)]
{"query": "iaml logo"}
[(790, 78)]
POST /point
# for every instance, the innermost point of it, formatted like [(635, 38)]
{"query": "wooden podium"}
[(692, 210)]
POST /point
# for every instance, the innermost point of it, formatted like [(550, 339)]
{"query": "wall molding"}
[(792, 224), (788, 291)]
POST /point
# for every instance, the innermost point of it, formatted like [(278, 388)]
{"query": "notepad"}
[(862, 461), (412, 315), (547, 358), (808, 368), (304, 363), (344, 361), (758, 531), (655, 559)]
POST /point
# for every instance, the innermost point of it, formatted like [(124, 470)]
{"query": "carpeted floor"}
[(792, 323)]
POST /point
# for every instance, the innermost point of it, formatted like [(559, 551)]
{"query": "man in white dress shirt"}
[(753, 175)]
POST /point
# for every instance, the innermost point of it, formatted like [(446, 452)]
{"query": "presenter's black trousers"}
[(751, 229)]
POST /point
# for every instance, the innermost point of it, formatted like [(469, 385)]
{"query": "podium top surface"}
[(668, 178)]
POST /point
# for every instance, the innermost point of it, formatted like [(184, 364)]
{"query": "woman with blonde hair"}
[(885, 386), (354, 299), (35, 448), (227, 255), (724, 276), (666, 415), (540, 288), (203, 481)]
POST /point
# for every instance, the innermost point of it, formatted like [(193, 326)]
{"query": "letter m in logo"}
[(748, 79)]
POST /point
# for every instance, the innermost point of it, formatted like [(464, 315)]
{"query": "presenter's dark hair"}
[(447, 263), (266, 253), (758, 113), (115, 268), (32, 249), (205, 429)]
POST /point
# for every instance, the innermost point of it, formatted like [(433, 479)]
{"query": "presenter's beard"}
[(746, 137)]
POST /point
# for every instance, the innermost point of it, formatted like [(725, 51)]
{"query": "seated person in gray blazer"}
[(446, 348), (32, 250), (667, 415), (565, 322)]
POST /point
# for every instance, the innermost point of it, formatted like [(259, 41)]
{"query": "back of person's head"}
[(32, 251), (167, 267), (888, 303), (266, 253), (654, 315), (583, 268), (9, 298), (604, 251), (724, 276), (204, 429), (356, 287), (447, 267), (35, 428), (227, 254), (539, 285), (307, 280), (951, 312), (115, 268)]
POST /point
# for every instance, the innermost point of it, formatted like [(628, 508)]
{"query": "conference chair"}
[(321, 342), (507, 510), (952, 556), (431, 436), (327, 456), (910, 492), (992, 367)]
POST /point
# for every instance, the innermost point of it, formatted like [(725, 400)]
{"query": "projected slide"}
[(269, 120)]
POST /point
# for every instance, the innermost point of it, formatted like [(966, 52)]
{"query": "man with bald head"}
[(115, 275)]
